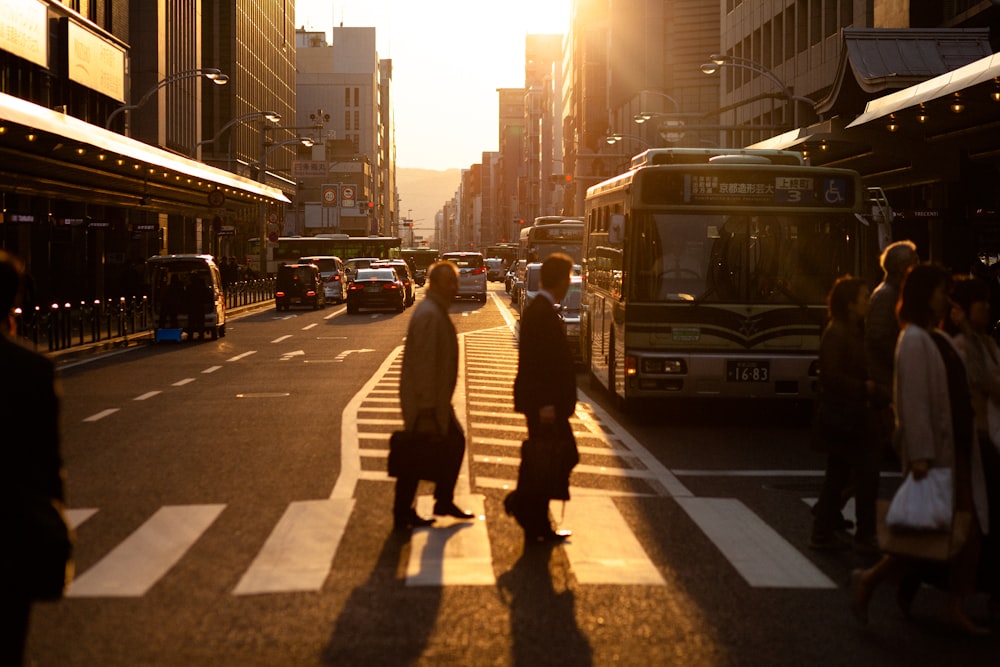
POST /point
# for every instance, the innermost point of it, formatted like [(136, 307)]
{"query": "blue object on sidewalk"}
[(168, 334)]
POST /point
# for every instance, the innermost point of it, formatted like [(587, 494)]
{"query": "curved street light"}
[(718, 61), (614, 138), (269, 116), (213, 74)]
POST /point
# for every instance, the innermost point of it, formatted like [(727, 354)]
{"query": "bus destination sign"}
[(749, 187)]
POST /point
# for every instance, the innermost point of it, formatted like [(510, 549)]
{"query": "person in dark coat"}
[(545, 392), (844, 420), (426, 385), (29, 414), (198, 297), (171, 302)]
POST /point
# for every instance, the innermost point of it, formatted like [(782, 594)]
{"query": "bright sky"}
[(448, 59)]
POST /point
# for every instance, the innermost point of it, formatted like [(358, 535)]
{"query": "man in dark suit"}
[(32, 468), (545, 392)]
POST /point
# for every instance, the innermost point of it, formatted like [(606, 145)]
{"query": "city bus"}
[(706, 273), (290, 248), (419, 259), (505, 251), (551, 234)]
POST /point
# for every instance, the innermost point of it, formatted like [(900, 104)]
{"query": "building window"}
[(357, 97), (357, 120), (347, 120), (347, 97)]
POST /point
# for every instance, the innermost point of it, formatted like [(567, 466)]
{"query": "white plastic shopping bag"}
[(923, 504)]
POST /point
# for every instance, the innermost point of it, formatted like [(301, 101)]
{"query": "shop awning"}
[(956, 81), (74, 148)]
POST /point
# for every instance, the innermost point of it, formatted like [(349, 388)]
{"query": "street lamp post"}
[(718, 61), (269, 116), (266, 148), (211, 73)]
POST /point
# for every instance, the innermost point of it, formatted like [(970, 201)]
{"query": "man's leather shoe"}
[(557, 536), (549, 537), (410, 521), (450, 509)]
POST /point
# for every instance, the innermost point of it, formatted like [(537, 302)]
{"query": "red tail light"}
[(354, 286), (480, 271), (390, 286), (279, 295), (311, 292)]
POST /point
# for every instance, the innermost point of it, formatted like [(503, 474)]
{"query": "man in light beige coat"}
[(426, 385)]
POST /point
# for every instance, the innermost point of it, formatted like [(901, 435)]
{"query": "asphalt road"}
[(233, 509)]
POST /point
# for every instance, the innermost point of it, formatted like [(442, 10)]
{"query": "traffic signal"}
[(561, 179)]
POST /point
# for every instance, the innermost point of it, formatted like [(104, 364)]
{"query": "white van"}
[(332, 271), (186, 293)]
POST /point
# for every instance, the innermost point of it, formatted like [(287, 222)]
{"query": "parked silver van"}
[(186, 294)]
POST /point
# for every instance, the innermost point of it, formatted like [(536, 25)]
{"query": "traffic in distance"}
[(701, 272)]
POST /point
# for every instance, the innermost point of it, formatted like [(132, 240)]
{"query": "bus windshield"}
[(745, 259)]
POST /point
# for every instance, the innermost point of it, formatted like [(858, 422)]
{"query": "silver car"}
[(471, 273)]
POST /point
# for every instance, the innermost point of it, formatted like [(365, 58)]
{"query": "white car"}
[(334, 278), (471, 273)]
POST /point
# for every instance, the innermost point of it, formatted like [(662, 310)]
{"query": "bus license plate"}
[(748, 371)]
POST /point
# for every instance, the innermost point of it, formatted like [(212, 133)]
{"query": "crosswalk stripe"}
[(451, 553), (78, 515), (137, 563), (586, 469), (595, 557), (574, 491), (762, 557), (299, 552)]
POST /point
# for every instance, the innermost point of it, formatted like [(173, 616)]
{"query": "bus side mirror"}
[(616, 230)]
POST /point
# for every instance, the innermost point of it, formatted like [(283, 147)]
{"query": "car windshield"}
[(376, 274), (466, 261), (572, 299), (325, 264)]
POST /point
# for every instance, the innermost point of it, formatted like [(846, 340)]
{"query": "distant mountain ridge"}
[(423, 192)]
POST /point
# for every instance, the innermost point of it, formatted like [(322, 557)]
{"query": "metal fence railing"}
[(65, 325)]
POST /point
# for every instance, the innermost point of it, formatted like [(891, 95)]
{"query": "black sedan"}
[(376, 288)]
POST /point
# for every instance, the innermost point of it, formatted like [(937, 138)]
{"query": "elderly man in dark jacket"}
[(426, 384)]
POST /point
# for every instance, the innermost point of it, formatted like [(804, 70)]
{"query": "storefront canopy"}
[(46, 152), (956, 81)]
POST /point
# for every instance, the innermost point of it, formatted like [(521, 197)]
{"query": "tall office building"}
[(350, 87)]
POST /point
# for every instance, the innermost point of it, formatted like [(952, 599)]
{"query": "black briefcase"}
[(416, 454)]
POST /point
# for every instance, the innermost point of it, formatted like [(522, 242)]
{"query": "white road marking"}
[(101, 415), (598, 558), (147, 395), (281, 338), (288, 355), (242, 356), (310, 326), (181, 383), (78, 515), (135, 565), (211, 369), (452, 552), (350, 460), (761, 556), (299, 552)]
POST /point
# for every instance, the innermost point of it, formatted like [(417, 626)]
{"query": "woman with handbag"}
[(934, 429), (842, 425)]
